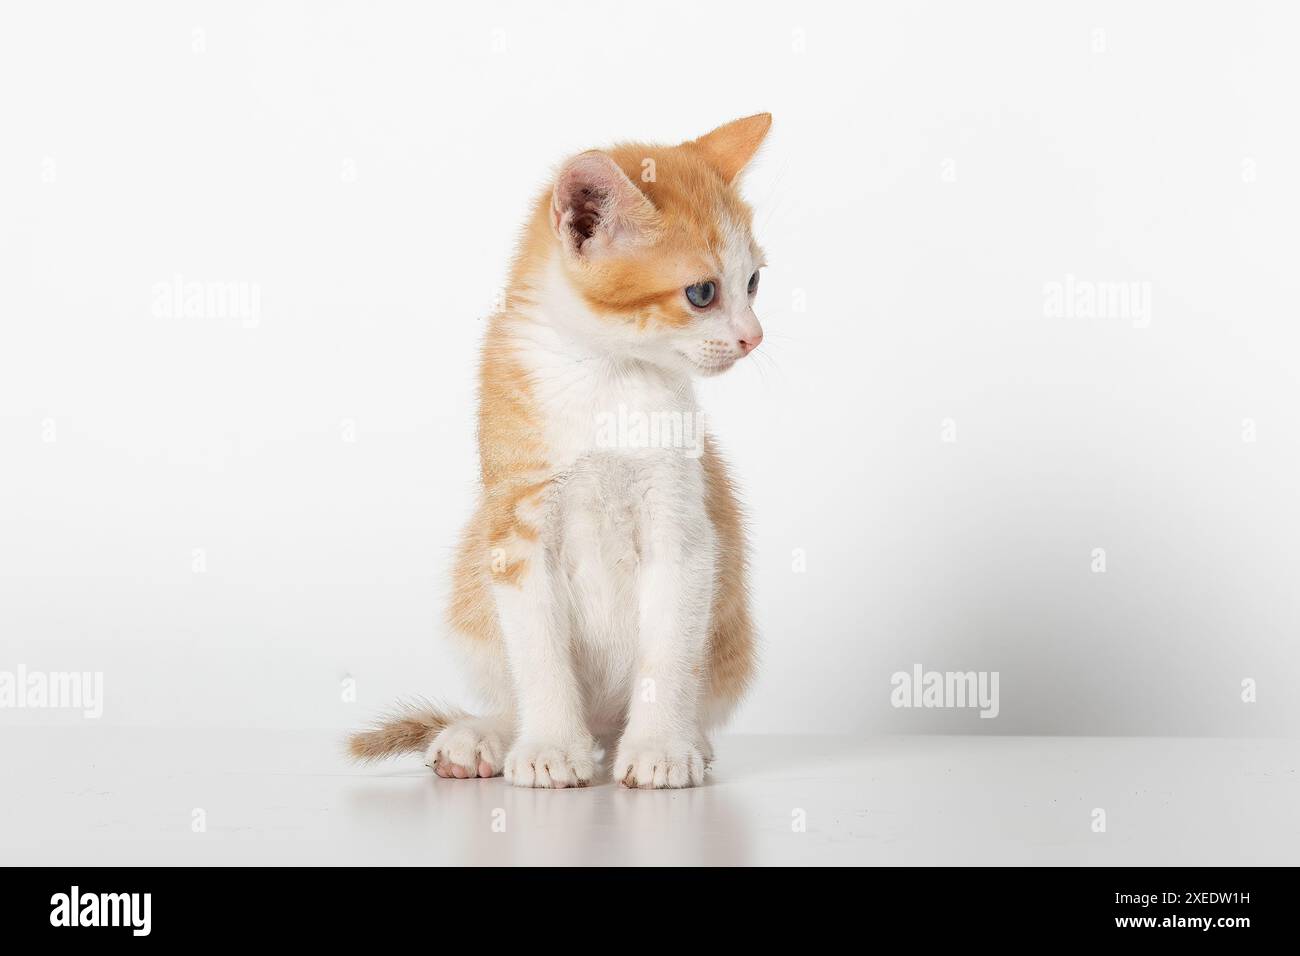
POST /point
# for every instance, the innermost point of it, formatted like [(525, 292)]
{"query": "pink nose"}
[(750, 342)]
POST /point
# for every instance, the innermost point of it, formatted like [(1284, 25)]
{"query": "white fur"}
[(608, 629)]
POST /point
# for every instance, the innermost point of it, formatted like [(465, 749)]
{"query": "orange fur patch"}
[(733, 650), (693, 192), (409, 729), (692, 200)]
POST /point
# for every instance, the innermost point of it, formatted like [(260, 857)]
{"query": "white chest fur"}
[(623, 439), (627, 528)]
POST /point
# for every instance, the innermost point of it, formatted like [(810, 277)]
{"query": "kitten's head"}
[(656, 241)]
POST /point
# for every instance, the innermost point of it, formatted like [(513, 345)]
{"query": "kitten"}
[(600, 597)]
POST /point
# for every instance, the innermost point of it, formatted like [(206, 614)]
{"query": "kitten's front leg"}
[(554, 747), (661, 746)]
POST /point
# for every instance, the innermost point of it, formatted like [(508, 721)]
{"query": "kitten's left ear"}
[(731, 146)]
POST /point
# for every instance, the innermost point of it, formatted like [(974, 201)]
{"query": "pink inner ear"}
[(589, 205), (595, 200), (583, 197)]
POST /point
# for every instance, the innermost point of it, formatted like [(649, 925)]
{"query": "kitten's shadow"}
[(490, 823), (420, 817)]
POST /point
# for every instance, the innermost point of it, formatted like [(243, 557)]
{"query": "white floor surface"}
[(103, 796)]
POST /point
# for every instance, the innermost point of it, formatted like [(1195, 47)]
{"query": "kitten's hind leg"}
[(472, 747)]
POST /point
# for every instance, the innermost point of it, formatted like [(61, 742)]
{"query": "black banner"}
[(236, 905)]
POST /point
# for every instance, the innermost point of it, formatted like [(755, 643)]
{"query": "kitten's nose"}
[(749, 332)]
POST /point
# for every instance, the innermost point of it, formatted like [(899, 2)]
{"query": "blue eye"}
[(701, 294)]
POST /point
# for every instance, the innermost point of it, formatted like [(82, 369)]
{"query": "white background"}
[(931, 168)]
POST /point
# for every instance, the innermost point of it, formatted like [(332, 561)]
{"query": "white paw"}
[(656, 764), (537, 763), (473, 747)]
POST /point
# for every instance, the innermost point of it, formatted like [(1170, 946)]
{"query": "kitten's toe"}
[(547, 765), (659, 765), (468, 748)]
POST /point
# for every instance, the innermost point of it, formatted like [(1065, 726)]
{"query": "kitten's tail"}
[(409, 728)]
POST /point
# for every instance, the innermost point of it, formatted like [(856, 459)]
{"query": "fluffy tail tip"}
[(409, 729)]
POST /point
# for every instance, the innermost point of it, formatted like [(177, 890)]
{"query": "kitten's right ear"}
[(596, 210)]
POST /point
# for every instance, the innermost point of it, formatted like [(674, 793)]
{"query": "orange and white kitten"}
[(600, 597)]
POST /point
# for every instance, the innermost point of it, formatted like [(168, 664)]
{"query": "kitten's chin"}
[(707, 370)]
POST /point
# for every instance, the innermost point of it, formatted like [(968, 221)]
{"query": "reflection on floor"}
[(105, 795)]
